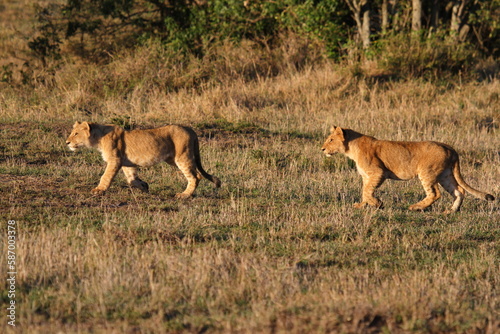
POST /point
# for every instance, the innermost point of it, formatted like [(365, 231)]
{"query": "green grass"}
[(278, 247)]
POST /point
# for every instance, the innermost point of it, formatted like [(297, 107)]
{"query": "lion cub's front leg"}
[(370, 183), (111, 170)]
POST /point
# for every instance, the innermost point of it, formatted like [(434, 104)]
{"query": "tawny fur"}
[(128, 150), (377, 160)]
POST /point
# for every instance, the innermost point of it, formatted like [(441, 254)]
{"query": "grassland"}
[(279, 248)]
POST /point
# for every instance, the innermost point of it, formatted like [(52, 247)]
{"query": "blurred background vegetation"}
[(404, 39)]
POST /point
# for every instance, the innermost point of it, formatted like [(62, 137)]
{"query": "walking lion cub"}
[(174, 144), (378, 160)]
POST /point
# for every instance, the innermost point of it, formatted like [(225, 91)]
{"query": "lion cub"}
[(174, 144), (378, 160)]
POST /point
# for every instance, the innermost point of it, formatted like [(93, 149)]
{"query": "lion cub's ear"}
[(76, 124), (86, 126), (332, 129), (339, 132)]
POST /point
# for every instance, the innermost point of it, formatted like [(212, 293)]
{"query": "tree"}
[(362, 14), (385, 16), (94, 30), (458, 28), (434, 22), (416, 18)]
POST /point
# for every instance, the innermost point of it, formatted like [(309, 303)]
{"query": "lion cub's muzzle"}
[(328, 154), (71, 147)]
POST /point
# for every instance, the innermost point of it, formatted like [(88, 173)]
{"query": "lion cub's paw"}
[(359, 205), (376, 205), (141, 185), (416, 207), (98, 191), (182, 196)]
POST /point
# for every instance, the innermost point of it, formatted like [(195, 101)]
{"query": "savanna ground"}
[(279, 247)]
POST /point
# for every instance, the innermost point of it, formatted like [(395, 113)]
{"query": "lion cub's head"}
[(335, 143), (79, 137)]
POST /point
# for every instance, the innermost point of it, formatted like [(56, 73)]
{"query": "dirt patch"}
[(28, 190)]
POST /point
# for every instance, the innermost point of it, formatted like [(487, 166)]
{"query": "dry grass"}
[(279, 247)]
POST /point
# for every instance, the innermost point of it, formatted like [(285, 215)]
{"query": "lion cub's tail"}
[(197, 158), (469, 189)]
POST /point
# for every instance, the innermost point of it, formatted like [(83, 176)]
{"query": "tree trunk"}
[(361, 14), (365, 31), (394, 14), (435, 15), (385, 16), (416, 22), (457, 14)]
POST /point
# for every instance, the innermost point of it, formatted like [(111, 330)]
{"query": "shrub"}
[(408, 56), (95, 29)]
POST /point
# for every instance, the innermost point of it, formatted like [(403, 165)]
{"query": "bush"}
[(95, 29), (193, 33), (406, 55)]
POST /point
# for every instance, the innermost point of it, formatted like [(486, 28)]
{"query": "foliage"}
[(97, 28), (486, 26), (47, 43), (431, 58), (326, 21)]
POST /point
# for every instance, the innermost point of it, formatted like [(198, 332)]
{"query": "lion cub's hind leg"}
[(432, 192), (448, 182), (133, 180), (190, 172)]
